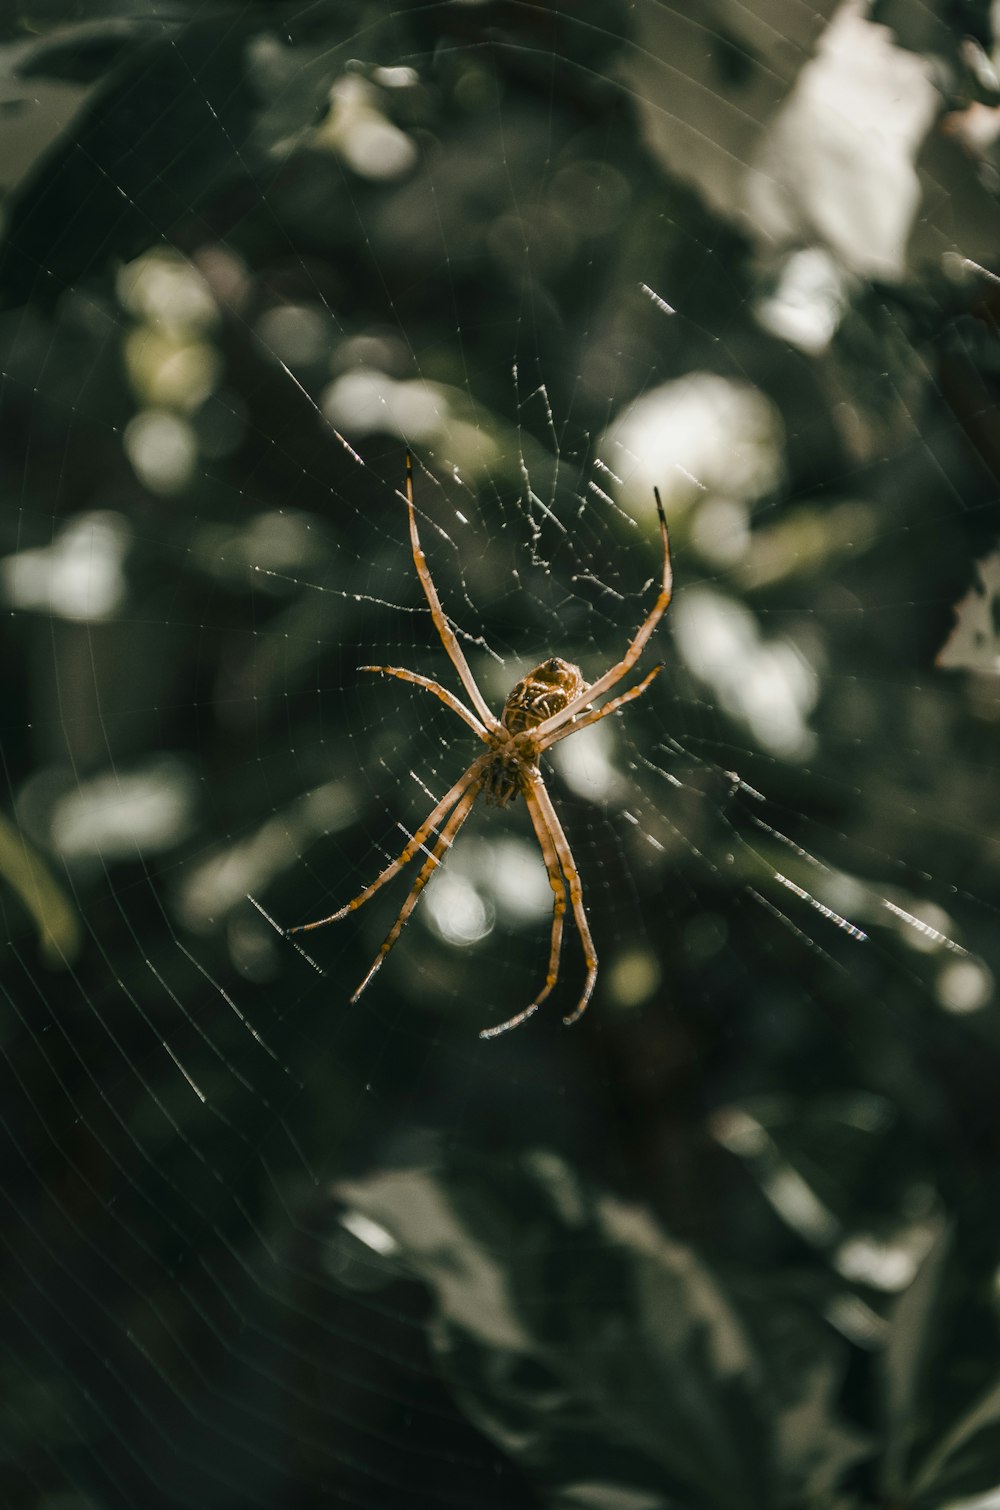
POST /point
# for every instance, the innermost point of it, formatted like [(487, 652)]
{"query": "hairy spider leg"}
[(636, 645), (596, 714), (448, 698), (428, 868), (548, 849), (576, 897), (448, 801), (446, 633)]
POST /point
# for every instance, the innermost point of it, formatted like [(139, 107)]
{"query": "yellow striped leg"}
[(447, 635), (576, 897), (448, 698), (551, 859), (635, 648), (428, 868), (444, 806), (596, 714)]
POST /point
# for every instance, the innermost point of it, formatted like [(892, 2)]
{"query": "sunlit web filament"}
[(934, 934), (821, 907)]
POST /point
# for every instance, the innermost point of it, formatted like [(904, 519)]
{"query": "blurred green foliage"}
[(731, 1243)]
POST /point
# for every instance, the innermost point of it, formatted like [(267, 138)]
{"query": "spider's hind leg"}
[(572, 875), (442, 809), (545, 841), (430, 865)]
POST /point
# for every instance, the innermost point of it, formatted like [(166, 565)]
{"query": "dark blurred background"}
[(733, 1240)]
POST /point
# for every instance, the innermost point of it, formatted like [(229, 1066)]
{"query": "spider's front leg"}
[(448, 698), (564, 715)]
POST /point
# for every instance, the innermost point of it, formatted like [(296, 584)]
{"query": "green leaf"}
[(605, 1356), (941, 1401), (906, 1363), (166, 129)]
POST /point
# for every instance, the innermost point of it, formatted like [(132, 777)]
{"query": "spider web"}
[(717, 1244)]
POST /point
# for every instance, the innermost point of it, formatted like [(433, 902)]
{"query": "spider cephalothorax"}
[(547, 705)]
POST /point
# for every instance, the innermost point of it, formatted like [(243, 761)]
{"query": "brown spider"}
[(547, 705)]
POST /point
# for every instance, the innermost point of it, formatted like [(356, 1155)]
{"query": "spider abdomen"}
[(546, 690)]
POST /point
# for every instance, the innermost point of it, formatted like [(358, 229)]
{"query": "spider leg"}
[(551, 855), (444, 629), (576, 897), (551, 859), (428, 868), (596, 714), (448, 698), (636, 645), (448, 801)]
